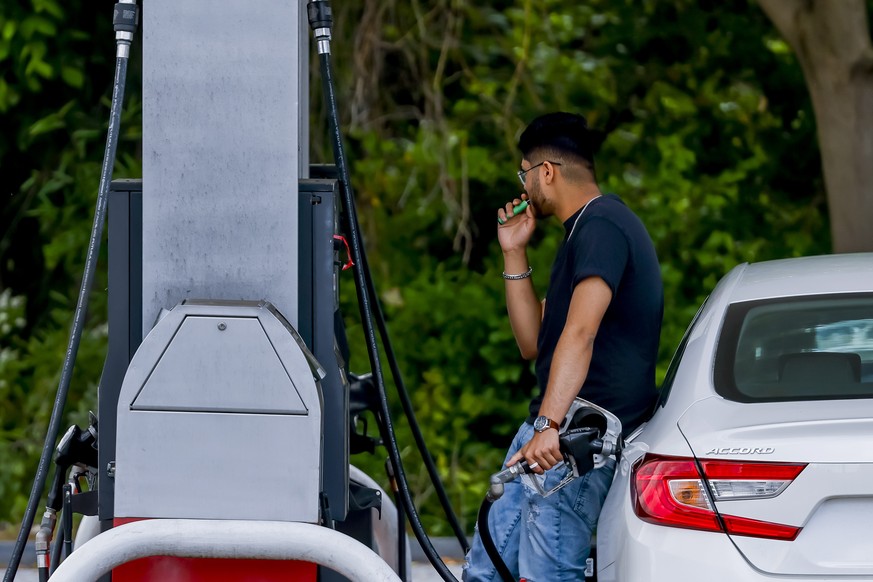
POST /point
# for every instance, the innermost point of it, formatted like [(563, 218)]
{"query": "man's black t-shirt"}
[(608, 241)]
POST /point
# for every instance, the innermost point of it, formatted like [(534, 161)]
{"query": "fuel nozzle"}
[(579, 446), (78, 446), (588, 435)]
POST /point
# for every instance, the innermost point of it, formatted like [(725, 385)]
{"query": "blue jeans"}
[(542, 539)]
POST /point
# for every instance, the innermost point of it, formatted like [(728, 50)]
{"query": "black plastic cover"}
[(320, 14), (125, 17)]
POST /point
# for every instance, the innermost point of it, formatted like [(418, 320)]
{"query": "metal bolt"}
[(110, 469), (222, 326)]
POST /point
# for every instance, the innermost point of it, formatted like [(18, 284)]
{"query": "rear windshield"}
[(797, 349)]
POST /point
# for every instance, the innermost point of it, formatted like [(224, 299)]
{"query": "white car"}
[(758, 461)]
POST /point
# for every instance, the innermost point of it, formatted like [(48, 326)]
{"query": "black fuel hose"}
[(122, 56), (57, 547), (401, 523), (320, 20), (406, 403), (488, 541)]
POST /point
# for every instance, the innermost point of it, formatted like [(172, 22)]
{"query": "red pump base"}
[(172, 569)]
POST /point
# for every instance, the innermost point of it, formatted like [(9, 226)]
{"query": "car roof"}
[(845, 273)]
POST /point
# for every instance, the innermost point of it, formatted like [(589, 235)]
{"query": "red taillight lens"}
[(743, 526), (753, 470), (670, 491), (655, 502)]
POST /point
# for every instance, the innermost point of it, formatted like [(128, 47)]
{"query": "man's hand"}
[(542, 452), (515, 233)]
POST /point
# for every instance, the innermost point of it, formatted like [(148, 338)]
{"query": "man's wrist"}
[(515, 262), (515, 254)]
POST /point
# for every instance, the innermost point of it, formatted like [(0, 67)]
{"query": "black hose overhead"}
[(323, 20), (320, 20), (125, 20)]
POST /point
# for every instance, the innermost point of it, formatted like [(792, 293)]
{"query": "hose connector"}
[(606, 447), (495, 490), (125, 19), (321, 20), (44, 538)]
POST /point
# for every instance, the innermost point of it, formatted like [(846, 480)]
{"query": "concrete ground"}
[(424, 572), (25, 575)]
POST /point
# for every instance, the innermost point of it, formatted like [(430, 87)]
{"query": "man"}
[(595, 336)]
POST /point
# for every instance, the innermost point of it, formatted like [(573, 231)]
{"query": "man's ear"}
[(548, 172)]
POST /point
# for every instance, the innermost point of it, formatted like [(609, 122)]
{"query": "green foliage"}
[(56, 62), (707, 133)]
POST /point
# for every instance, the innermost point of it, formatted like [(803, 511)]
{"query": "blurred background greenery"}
[(707, 129)]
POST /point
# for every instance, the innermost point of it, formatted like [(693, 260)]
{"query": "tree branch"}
[(824, 31), (784, 14)]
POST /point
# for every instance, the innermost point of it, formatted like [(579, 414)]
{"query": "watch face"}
[(541, 423)]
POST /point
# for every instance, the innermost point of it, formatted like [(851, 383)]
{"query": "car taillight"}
[(670, 491)]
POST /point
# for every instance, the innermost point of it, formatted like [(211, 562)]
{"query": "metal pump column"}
[(224, 144)]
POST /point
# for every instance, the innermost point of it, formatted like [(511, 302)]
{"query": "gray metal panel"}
[(218, 466), (233, 352), (221, 130), (232, 464)]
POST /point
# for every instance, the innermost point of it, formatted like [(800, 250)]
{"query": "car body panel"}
[(835, 540), (660, 557)]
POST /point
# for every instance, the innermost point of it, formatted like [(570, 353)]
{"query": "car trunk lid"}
[(830, 500)]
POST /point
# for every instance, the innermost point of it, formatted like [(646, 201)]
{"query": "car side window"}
[(667, 384)]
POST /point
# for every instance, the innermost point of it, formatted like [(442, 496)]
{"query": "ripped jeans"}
[(542, 539)]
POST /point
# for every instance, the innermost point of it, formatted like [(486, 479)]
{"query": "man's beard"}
[(535, 195)]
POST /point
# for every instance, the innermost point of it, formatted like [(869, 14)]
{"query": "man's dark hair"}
[(561, 134)]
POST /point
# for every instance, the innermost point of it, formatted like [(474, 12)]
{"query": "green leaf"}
[(9, 29), (73, 76), (51, 122), (37, 24), (50, 6)]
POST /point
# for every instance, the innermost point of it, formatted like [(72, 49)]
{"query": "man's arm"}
[(569, 368), (525, 310)]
